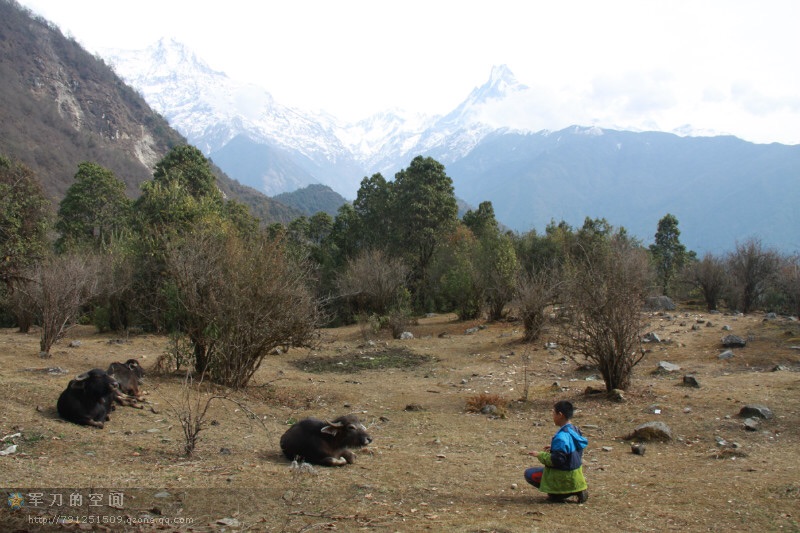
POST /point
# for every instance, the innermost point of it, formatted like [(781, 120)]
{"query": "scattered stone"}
[(651, 337), (691, 381), (770, 316), (733, 341), (489, 409), (616, 395), (665, 367), (778, 368), (755, 410), (551, 345), (225, 451), (406, 335), (651, 431), (727, 354), (153, 430), (230, 522), (513, 486), (74, 344), (162, 494), (593, 377), (607, 448), (444, 335), (726, 328), (470, 331), (638, 448), (687, 410), (751, 424), (709, 324), (413, 407)]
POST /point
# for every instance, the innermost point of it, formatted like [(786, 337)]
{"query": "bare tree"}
[(788, 283), (61, 285), (239, 300), (535, 292), (751, 268), (604, 292), (710, 277), (373, 282)]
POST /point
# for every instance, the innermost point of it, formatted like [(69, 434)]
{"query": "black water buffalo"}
[(88, 398), (325, 443), (129, 376)]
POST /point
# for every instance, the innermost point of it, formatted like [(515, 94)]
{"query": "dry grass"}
[(436, 467)]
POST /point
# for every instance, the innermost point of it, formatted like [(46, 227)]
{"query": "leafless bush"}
[(605, 291), (751, 268), (788, 283), (374, 282), (710, 277), (240, 300), (535, 292), (193, 408), (60, 286)]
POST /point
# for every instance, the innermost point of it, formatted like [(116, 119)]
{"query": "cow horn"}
[(332, 428)]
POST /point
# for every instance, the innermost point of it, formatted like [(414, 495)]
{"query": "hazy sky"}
[(728, 66)]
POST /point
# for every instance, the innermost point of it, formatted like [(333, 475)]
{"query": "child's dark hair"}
[(565, 408)]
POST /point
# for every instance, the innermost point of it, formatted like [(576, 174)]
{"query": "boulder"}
[(727, 354), (756, 411), (651, 431), (733, 341), (659, 303)]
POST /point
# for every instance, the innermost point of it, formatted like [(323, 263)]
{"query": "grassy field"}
[(433, 465)]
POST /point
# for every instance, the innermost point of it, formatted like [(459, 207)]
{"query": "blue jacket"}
[(563, 473), (566, 448)]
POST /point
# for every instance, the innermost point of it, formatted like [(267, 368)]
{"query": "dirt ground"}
[(432, 466)]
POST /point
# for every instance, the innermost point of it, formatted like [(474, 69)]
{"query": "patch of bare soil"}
[(433, 466)]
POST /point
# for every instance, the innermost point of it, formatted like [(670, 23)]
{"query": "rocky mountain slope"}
[(59, 106)]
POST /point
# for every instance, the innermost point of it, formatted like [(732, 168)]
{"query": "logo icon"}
[(16, 501)]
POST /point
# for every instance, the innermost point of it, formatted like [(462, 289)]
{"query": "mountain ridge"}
[(631, 178)]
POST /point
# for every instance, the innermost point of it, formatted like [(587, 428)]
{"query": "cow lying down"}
[(129, 376), (88, 398), (325, 443)]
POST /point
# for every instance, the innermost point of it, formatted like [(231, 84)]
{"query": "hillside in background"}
[(313, 199), (60, 106)]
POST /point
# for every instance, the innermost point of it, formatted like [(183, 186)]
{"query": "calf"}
[(129, 375), (325, 443), (87, 399)]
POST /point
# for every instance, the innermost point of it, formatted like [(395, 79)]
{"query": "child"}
[(562, 475)]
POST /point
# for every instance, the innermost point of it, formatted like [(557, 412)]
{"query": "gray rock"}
[(489, 409), (74, 344), (756, 410), (651, 431), (406, 335), (733, 341), (659, 303), (638, 448), (751, 424), (651, 337), (616, 395), (665, 367), (470, 331), (727, 354), (726, 328)]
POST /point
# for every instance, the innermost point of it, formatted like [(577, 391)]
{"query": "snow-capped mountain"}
[(212, 110), (532, 177)]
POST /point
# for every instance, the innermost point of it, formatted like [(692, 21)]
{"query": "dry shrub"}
[(476, 403)]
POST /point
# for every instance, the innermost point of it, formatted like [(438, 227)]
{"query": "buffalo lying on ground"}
[(129, 375), (325, 443), (88, 398)]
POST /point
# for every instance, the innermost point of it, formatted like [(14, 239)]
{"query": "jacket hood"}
[(578, 440)]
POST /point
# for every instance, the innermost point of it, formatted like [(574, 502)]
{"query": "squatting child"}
[(562, 474)]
